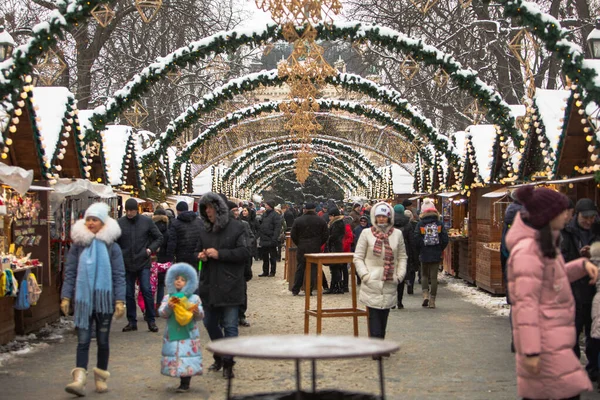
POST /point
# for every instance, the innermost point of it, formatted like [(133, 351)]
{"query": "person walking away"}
[(380, 260), (355, 214), (235, 213), (337, 231), (412, 265), (281, 239), (578, 235), (401, 222), (245, 215), (181, 354), (289, 216), (431, 239), (95, 283), (163, 262), (140, 238), (223, 250), (183, 236), (543, 306), (347, 248), (268, 234), (309, 232)]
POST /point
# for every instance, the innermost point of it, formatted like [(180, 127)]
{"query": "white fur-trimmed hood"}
[(82, 236)]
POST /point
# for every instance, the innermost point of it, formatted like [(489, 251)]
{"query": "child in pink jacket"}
[(543, 308)]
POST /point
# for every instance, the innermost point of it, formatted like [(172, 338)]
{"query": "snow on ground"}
[(51, 333), (496, 304)]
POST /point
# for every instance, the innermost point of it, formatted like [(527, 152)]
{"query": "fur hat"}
[(542, 204), (98, 210), (428, 206), (409, 214), (131, 204), (185, 270), (182, 206)]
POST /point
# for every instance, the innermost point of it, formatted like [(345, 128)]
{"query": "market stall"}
[(454, 216)]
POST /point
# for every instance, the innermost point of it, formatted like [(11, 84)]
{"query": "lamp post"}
[(7, 44), (593, 40)]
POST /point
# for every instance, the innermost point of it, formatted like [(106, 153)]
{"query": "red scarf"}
[(382, 240)]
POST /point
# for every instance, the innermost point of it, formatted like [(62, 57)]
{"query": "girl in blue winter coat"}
[(181, 354)]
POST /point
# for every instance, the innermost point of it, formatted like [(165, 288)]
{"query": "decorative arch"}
[(262, 152)]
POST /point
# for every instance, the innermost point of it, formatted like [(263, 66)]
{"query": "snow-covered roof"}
[(84, 119), (203, 182), (595, 65), (551, 104), (5, 37), (115, 139), (402, 181), (52, 106), (459, 137), (517, 110), (483, 138)]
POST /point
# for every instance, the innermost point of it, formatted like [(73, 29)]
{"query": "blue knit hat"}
[(399, 208), (98, 210)]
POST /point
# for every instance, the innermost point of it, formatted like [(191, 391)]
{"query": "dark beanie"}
[(542, 204), (271, 203), (231, 205), (160, 211), (334, 212), (310, 206), (182, 206), (406, 203), (131, 204)]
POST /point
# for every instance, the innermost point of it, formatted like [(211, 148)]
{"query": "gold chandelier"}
[(305, 69)]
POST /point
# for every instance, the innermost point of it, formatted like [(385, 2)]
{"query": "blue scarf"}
[(94, 289)]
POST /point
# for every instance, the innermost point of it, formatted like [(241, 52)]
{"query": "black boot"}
[(410, 289), (184, 384), (228, 369), (217, 365)]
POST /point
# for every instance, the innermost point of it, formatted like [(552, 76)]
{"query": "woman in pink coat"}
[(543, 308)]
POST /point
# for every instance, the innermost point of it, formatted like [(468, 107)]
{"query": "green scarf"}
[(176, 331)]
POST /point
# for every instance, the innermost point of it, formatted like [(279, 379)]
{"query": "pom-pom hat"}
[(428, 206), (98, 210), (542, 204)]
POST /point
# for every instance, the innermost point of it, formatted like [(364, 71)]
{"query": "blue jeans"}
[(378, 322), (144, 277), (221, 322), (102, 324)]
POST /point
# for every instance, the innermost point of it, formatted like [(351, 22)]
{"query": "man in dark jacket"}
[(289, 216), (355, 214), (578, 236), (268, 234), (309, 233), (140, 237), (431, 239), (161, 220), (183, 236), (235, 214), (223, 250)]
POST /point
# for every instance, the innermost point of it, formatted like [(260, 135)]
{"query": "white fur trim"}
[(109, 233)]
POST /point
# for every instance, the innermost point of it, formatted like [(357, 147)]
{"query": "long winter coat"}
[(309, 233), (82, 238), (222, 280), (162, 223), (430, 254), (183, 238), (138, 234), (181, 358), (269, 229), (543, 313), (374, 291), (337, 231)]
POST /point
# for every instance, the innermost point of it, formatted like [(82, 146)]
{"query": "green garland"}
[(262, 152), (340, 180), (563, 133), (532, 159)]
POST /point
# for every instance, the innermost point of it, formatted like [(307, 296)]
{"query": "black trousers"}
[(583, 323), (378, 322), (269, 254), (300, 271), (244, 306), (410, 277)]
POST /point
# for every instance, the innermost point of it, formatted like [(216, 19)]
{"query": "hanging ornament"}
[(465, 3), (136, 114), (424, 5), (174, 75), (523, 46), (49, 68), (103, 14), (441, 78), (148, 8), (409, 68)]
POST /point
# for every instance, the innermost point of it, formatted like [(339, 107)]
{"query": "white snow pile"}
[(51, 333), (496, 304)]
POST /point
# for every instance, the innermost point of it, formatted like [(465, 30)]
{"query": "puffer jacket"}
[(543, 316), (222, 280), (309, 233), (374, 291), (337, 231), (162, 223), (138, 234), (269, 229), (430, 254), (183, 238)]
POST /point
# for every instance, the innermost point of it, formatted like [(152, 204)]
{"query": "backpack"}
[(22, 302), (431, 234), (34, 289)]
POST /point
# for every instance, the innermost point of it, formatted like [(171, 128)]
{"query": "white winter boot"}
[(101, 376), (77, 387)]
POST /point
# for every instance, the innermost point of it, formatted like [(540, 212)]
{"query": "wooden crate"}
[(489, 270), (7, 319)]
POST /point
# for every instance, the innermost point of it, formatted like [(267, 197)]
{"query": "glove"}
[(64, 306), (119, 309)]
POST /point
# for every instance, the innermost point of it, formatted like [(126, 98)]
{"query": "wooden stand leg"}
[(319, 296), (307, 296), (354, 302)]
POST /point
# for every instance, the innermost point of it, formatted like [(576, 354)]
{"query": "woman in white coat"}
[(380, 261)]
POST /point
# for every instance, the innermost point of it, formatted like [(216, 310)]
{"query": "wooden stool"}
[(329, 258)]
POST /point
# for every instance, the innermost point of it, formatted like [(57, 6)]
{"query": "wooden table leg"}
[(306, 295), (298, 393), (314, 376), (381, 382), (354, 302), (319, 295)]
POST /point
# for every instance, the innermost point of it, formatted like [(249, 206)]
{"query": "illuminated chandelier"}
[(305, 69)]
